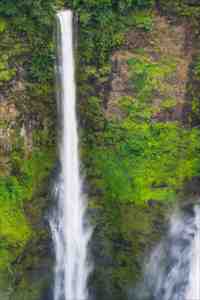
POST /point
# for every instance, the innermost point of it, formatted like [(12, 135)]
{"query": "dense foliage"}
[(132, 159), (26, 61), (139, 158)]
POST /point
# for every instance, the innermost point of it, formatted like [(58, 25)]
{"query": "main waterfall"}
[(69, 228)]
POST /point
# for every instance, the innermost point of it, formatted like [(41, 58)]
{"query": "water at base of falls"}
[(173, 271), (70, 231)]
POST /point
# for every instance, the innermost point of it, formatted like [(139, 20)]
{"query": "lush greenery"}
[(137, 157), (108, 20), (26, 177), (26, 61), (145, 161), (188, 9), (193, 87)]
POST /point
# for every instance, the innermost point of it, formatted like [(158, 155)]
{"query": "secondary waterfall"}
[(173, 272), (68, 224), (193, 289)]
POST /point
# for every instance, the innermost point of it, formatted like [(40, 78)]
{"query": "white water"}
[(193, 289), (69, 227), (173, 271)]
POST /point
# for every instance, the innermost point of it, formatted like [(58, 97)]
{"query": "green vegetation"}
[(149, 77), (109, 21), (128, 160), (168, 104), (197, 68), (26, 80), (142, 20), (140, 162), (139, 158), (2, 25), (193, 91), (189, 10), (16, 189), (6, 73)]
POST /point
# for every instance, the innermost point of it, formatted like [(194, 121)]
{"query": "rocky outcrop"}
[(169, 41), (124, 232)]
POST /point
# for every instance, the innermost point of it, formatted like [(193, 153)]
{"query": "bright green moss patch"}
[(168, 103), (5, 257), (2, 25), (147, 76), (141, 20), (27, 175), (139, 162), (13, 225), (6, 73), (197, 68), (32, 170)]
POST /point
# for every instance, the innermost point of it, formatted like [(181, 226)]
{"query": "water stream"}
[(69, 226), (173, 271)]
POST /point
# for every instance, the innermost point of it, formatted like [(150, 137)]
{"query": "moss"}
[(5, 285), (15, 190), (193, 106), (26, 80), (6, 72), (168, 104), (26, 170), (128, 233), (197, 68), (133, 160), (182, 9), (141, 20), (30, 289), (139, 164), (137, 159), (149, 76), (2, 25)]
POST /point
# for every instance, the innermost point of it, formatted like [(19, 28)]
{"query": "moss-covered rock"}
[(27, 140), (137, 108), (142, 152)]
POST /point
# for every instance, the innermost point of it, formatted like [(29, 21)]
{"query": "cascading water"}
[(173, 272), (193, 289), (70, 230)]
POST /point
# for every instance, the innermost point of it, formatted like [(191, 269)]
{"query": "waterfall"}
[(69, 227), (173, 271), (193, 289)]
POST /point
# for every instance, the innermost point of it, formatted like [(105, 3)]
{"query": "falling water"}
[(173, 272), (69, 228), (193, 289)]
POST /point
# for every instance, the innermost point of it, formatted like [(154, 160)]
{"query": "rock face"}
[(24, 114), (120, 247), (120, 243), (166, 40), (124, 231), (119, 82)]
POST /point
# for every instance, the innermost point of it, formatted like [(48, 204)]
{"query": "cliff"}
[(138, 73)]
